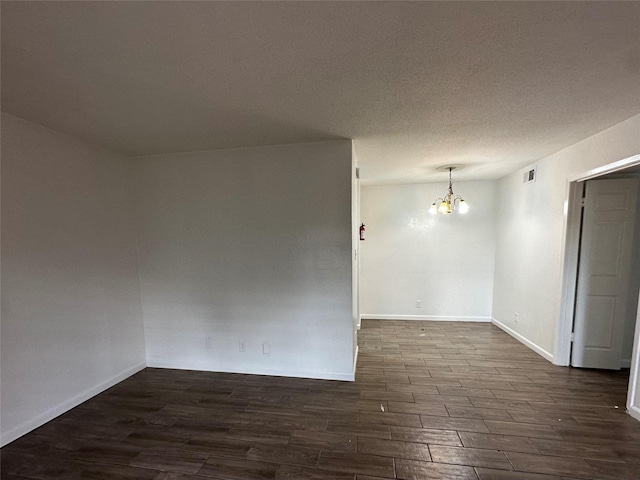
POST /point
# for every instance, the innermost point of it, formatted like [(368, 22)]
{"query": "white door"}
[(603, 272)]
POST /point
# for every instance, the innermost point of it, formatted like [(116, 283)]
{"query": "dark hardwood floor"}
[(432, 400)]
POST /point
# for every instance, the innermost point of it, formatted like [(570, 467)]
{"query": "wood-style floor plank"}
[(436, 400)]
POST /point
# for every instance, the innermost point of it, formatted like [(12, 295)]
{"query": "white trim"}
[(539, 350), (355, 361), (609, 168), (431, 318), (26, 427), (348, 377), (633, 402), (634, 412), (570, 249)]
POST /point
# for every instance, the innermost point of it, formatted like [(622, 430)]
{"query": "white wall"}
[(248, 245), (71, 317), (409, 254), (530, 238)]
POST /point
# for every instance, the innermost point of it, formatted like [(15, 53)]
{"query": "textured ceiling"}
[(493, 85)]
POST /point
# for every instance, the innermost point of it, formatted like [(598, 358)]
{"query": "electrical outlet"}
[(418, 303), (266, 348), (241, 346), (515, 317), (207, 342)]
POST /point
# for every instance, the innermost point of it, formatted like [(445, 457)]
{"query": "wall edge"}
[(536, 348), (26, 427)]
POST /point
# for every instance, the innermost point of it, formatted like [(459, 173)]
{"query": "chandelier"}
[(450, 202)]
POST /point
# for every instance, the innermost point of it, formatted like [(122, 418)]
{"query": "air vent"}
[(530, 175)]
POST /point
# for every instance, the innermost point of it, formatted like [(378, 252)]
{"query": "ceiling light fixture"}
[(450, 202)]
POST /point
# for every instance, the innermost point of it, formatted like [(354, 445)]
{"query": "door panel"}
[(608, 243), (599, 334), (603, 272)]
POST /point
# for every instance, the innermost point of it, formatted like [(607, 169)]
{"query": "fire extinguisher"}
[(362, 232)]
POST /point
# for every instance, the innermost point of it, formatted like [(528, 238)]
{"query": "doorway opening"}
[(601, 277)]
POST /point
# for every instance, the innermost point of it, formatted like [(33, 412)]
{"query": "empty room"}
[(351, 240)]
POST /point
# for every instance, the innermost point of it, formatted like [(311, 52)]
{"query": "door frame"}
[(633, 403), (570, 250), (603, 228)]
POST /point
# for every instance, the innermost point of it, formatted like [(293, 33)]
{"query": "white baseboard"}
[(634, 412), (26, 427), (539, 350), (430, 318), (625, 363), (348, 377)]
